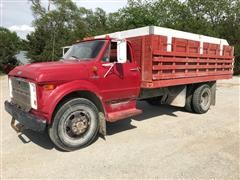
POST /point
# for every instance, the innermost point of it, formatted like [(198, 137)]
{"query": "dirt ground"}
[(163, 142)]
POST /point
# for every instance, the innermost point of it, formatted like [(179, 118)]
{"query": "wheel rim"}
[(77, 124), (70, 121), (205, 99)]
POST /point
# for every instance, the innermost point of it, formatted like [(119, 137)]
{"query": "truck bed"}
[(169, 57)]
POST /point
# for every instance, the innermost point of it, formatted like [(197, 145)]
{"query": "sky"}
[(16, 15)]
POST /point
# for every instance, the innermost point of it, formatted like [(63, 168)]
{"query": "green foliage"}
[(53, 30), (9, 46), (66, 22)]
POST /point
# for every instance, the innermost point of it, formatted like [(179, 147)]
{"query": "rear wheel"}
[(75, 124), (201, 99)]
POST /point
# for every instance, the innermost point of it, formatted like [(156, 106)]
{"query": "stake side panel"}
[(186, 63)]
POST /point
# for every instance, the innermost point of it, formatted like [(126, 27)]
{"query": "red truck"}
[(101, 78)]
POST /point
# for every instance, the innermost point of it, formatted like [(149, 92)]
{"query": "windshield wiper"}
[(75, 57)]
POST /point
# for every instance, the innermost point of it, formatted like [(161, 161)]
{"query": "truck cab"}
[(98, 77)]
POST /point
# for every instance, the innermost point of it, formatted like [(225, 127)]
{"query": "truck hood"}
[(67, 70)]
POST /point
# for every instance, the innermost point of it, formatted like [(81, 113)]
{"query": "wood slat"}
[(189, 55), (186, 75), (173, 67), (185, 60)]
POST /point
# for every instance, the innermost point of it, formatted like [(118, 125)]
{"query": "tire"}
[(201, 99), (155, 101), (75, 124)]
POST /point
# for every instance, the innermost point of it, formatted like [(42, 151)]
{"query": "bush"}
[(236, 68), (9, 45)]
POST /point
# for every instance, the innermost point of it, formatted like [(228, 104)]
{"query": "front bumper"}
[(28, 120)]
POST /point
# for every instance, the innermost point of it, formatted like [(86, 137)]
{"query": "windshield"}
[(84, 50)]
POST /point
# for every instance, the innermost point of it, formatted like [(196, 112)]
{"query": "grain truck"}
[(100, 79)]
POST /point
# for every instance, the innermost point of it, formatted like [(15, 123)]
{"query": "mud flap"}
[(177, 96), (213, 91), (102, 128)]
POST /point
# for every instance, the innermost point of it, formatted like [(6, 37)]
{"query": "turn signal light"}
[(94, 68), (49, 87)]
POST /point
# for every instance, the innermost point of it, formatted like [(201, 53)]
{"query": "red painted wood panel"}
[(186, 80), (183, 65)]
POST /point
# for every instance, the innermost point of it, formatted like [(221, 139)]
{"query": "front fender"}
[(62, 90)]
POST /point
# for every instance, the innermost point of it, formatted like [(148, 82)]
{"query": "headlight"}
[(10, 87), (33, 95)]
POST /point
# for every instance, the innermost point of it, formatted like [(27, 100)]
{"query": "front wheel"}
[(75, 124)]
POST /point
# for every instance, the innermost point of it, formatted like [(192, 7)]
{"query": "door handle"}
[(107, 64), (135, 69)]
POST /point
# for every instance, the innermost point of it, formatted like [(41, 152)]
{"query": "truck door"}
[(119, 81)]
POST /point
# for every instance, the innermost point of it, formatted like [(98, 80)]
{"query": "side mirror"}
[(121, 51)]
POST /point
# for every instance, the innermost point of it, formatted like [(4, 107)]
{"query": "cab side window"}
[(106, 55), (111, 53), (129, 54)]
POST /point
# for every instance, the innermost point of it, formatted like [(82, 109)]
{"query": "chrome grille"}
[(21, 93)]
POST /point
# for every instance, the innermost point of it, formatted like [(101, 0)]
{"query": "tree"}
[(61, 26), (221, 19), (9, 46), (53, 29), (136, 14)]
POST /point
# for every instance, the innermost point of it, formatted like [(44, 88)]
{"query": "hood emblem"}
[(19, 72)]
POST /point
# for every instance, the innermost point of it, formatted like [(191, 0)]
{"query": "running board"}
[(115, 116)]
